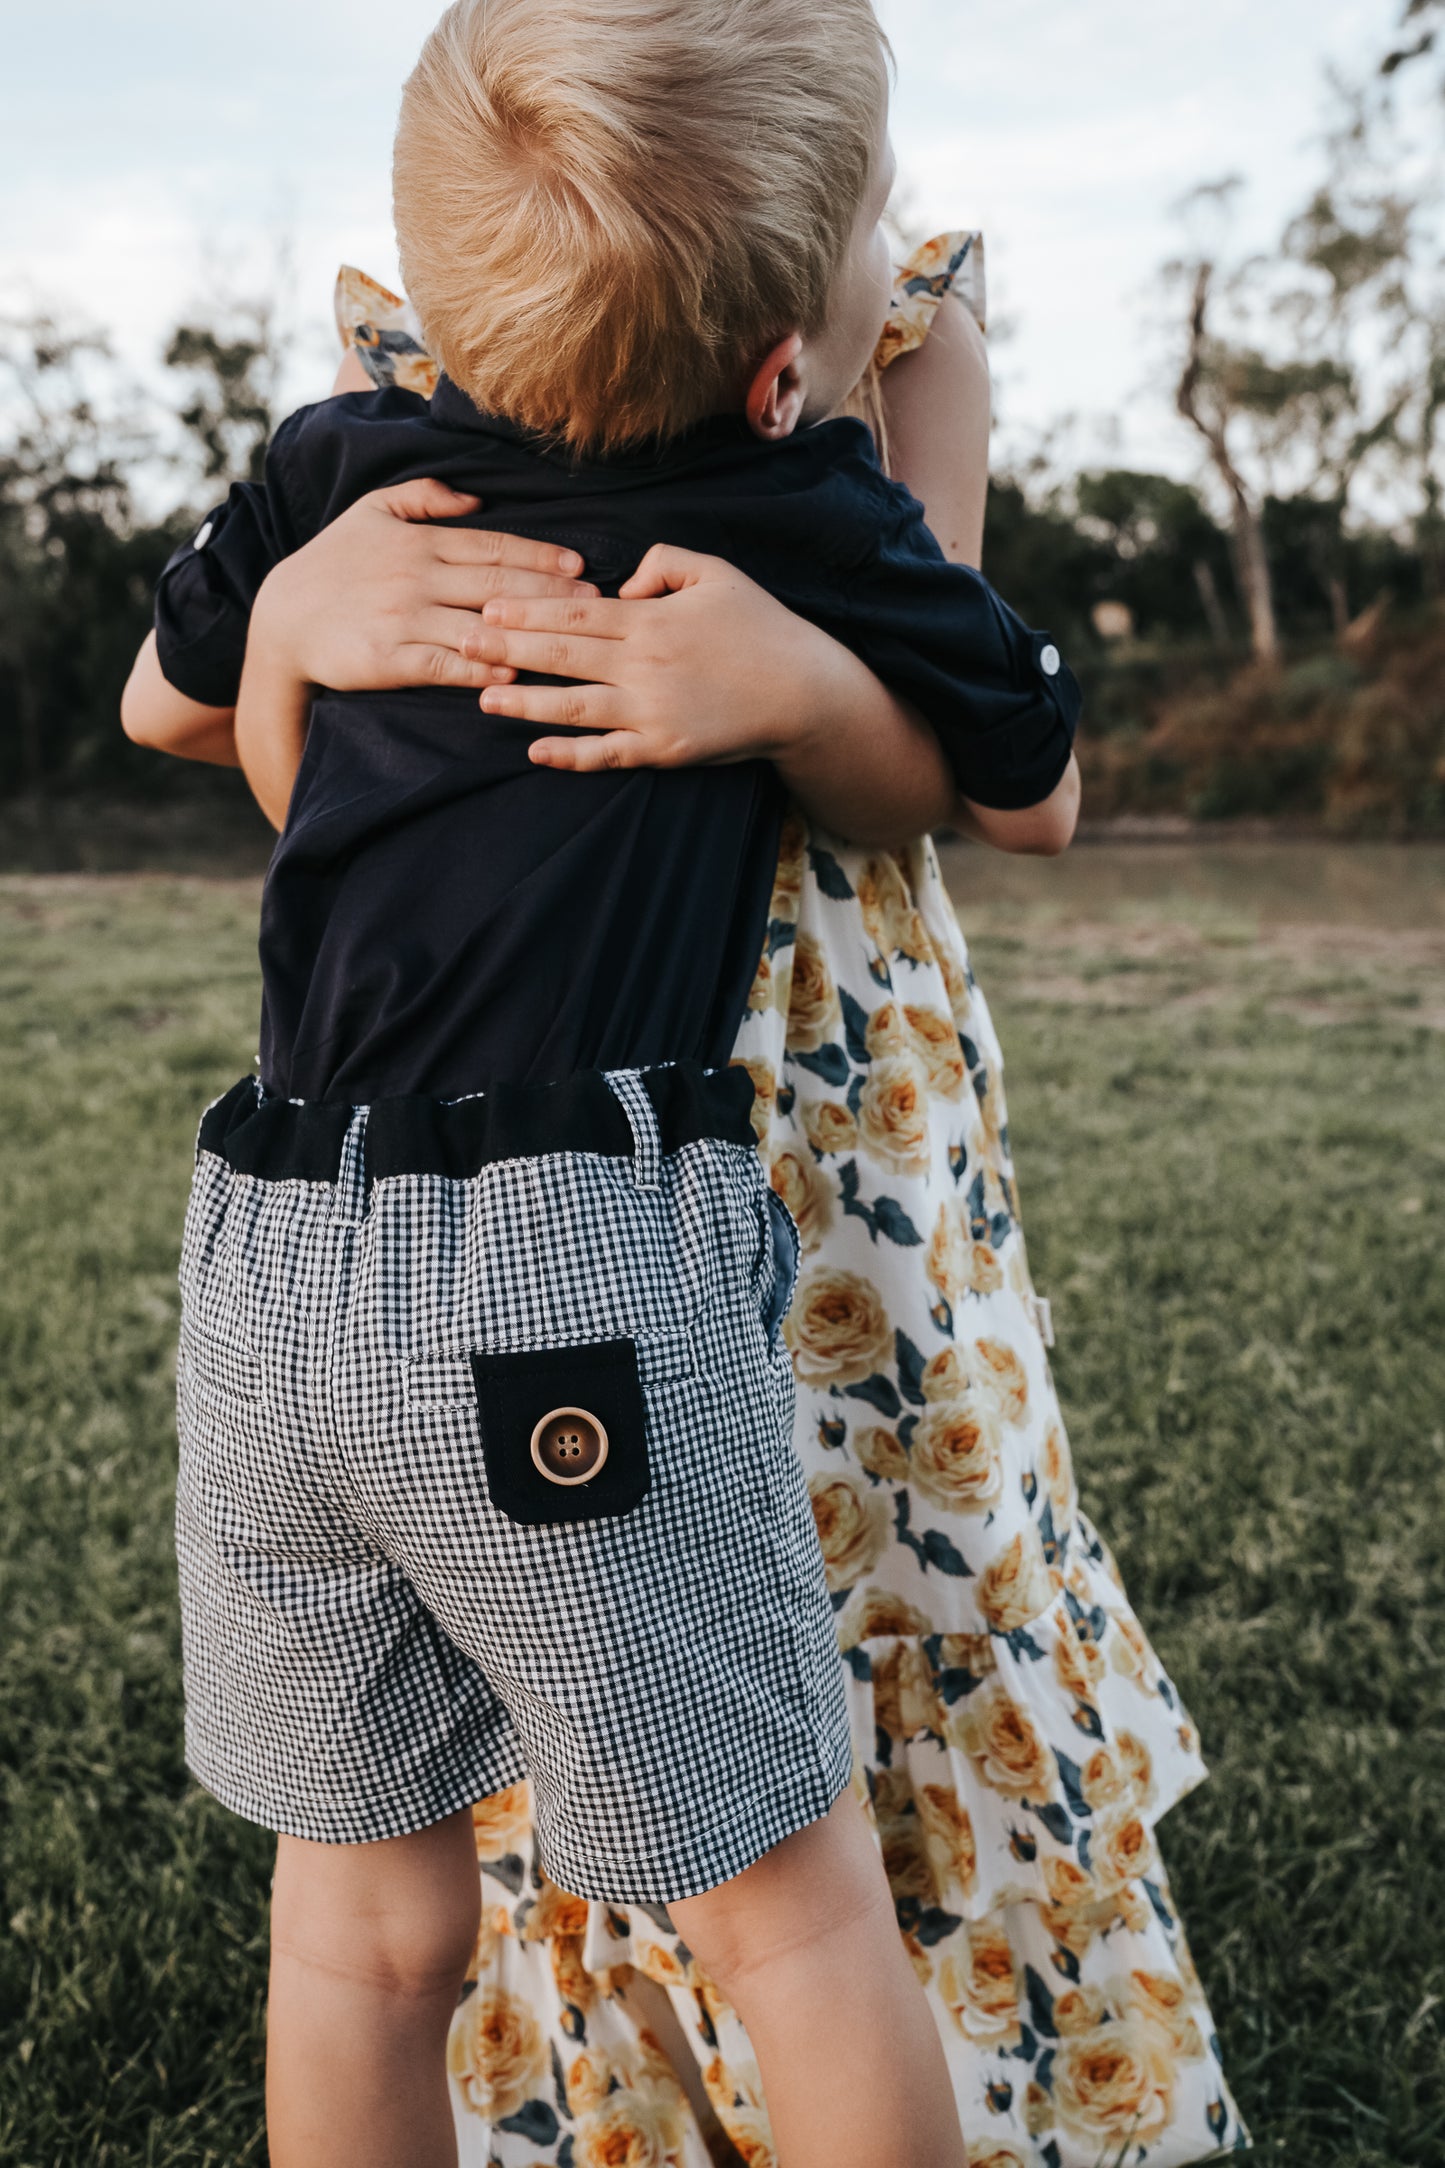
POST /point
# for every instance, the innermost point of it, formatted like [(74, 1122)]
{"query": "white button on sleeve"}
[(1049, 660), (203, 534)]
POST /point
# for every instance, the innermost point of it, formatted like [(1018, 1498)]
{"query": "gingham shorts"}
[(390, 1606)]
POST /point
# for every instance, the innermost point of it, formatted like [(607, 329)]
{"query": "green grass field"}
[(1227, 1080)]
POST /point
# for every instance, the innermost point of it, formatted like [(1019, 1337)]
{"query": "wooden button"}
[(569, 1446)]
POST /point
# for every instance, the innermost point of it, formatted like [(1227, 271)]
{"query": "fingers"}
[(585, 756), (420, 663), (553, 654), (664, 570), (484, 546), (580, 611), (429, 499), (579, 707), (471, 587), (423, 499)]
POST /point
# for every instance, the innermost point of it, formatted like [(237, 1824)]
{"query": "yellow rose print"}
[(1113, 2087), (796, 1177), (874, 1612), (880, 1453), (1068, 1885), (500, 1823), (792, 864), (760, 993), (946, 1260), (955, 983), (1079, 2010), (893, 1115), (765, 1092), (951, 1840), (1164, 2003), (934, 1038), (1015, 1587), (1079, 1663), (944, 1376), (1136, 1759), (955, 1456), (496, 2053), (1002, 1740), (837, 1331), (575, 1983), (980, 1988), (1123, 1848), (815, 1014), (1058, 1469), (983, 1272), (630, 2129), (886, 1032), (852, 1522), (1105, 1780), (829, 1126), (905, 1699), (1002, 1374)]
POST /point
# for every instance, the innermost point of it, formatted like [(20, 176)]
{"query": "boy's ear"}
[(774, 404)]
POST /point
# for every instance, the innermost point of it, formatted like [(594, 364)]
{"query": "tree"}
[(231, 369), (1214, 386)]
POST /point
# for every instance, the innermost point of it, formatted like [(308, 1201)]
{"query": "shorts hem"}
[(700, 1863), (352, 1822)]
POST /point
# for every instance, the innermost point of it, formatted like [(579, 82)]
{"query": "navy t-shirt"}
[(440, 915)]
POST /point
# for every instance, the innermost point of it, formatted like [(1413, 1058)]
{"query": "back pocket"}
[(564, 1431)]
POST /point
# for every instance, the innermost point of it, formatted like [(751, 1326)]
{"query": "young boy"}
[(484, 1414)]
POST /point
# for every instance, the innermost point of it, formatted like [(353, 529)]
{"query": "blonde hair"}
[(608, 210)]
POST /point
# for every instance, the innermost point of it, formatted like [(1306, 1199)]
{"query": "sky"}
[(155, 154)]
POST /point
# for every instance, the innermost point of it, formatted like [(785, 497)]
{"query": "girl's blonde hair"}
[(608, 211)]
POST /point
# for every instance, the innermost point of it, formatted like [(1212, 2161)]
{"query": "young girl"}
[(1017, 1738)]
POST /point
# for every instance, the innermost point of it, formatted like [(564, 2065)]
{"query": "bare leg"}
[(369, 1947), (806, 1948)]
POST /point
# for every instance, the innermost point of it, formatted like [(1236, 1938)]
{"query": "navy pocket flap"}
[(564, 1431)]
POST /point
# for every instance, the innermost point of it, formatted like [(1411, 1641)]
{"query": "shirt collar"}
[(719, 432)]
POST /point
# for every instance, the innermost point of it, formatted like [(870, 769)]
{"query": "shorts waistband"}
[(288, 1140)]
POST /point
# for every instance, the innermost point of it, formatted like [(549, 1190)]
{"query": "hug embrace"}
[(628, 1546)]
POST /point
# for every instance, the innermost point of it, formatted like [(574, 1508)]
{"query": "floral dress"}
[(1016, 1738)]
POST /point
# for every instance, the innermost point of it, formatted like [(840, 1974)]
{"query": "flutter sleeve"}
[(381, 328), (951, 263)]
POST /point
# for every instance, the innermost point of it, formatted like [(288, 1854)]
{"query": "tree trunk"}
[(1250, 562), (1339, 605), (1213, 608)]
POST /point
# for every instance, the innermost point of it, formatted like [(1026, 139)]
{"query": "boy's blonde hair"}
[(608, 211)]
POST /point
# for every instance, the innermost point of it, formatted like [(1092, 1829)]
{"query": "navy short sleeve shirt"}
[(441, 915)]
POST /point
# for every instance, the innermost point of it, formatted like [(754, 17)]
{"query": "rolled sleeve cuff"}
[(1013, 751), (200, 632)]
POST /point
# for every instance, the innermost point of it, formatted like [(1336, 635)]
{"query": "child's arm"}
[(938, 403), (154, 714), (367, 620), (354, 609), (749, 679)]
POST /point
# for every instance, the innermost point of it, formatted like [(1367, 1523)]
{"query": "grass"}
[(1232, 1156)]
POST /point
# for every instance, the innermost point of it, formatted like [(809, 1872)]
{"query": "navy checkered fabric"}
[(371, 1643)]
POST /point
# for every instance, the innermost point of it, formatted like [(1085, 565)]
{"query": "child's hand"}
[(694, 663), (383, 598)]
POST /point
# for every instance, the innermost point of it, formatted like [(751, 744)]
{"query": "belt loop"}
[(349, 1198), (629, 1089)]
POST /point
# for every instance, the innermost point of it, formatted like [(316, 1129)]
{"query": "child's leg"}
[(806, 1948), (369, 1948)]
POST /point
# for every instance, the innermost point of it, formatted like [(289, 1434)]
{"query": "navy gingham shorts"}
[(486, 1471)]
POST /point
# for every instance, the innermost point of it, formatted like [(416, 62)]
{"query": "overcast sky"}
[(153, 151)]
